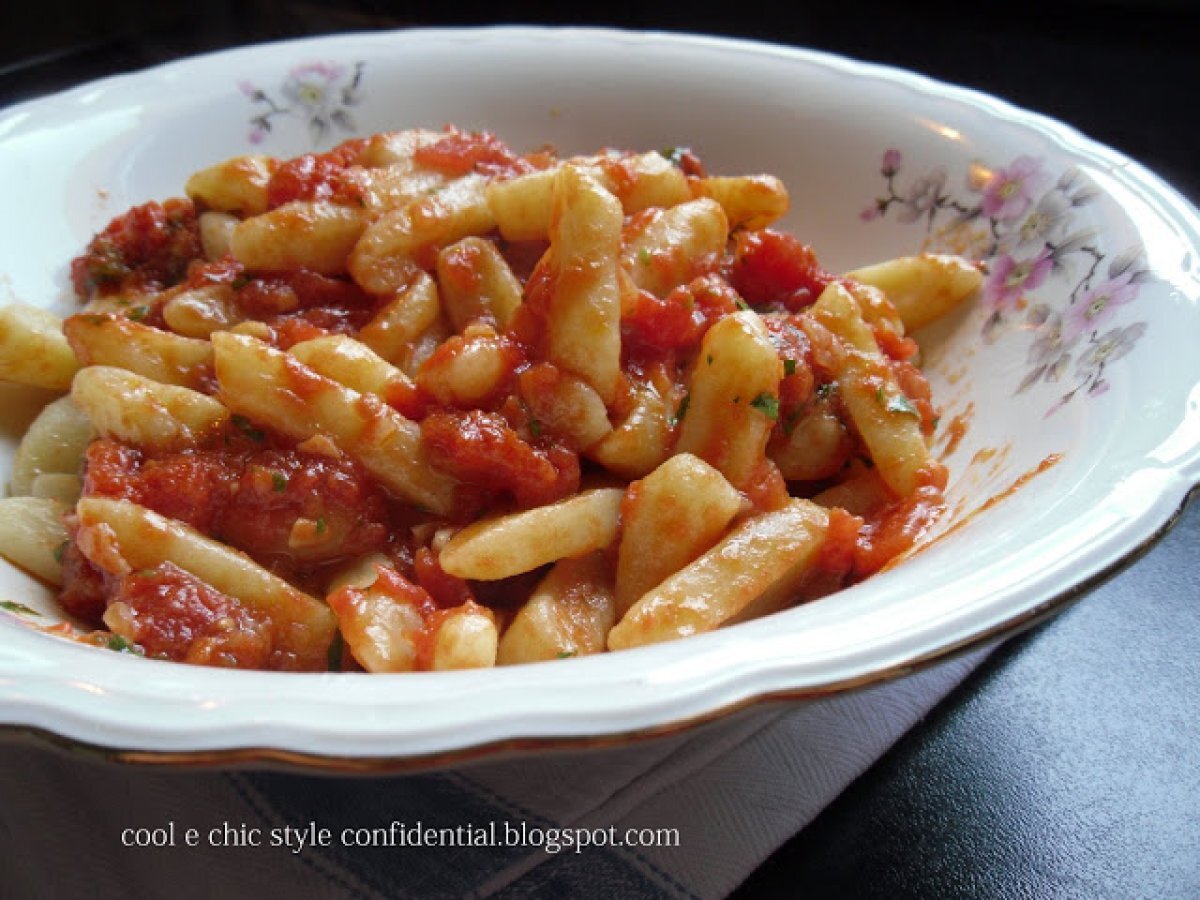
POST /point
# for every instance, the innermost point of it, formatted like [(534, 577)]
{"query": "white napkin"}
[(725, 795)]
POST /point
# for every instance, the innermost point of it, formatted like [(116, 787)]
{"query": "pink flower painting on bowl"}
[(321, 94), (1009, 192), (1097, 306), (1033, 237), (1010, 279)]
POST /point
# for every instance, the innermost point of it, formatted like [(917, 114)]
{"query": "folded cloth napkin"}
[(689, 815)]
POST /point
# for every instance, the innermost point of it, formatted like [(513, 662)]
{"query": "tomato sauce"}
[(271, 293), (446, 590), (961, 521), (680, 320), (837, 553), (86, 588), (766, 488), (915, 386), (202, 273), (893, 345), (296, 305), (461, 153), (304, 511), (528, 324), (773, 267), (689, 162), (393, 584), (179, 617), (858, 546), (522, 256), (320, 176), (302, 305), (146, 249), (957, 430), (482, 449), (799, 380), (290, 510), (896, 529)]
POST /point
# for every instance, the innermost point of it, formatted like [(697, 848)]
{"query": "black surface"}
[(1070, 764)]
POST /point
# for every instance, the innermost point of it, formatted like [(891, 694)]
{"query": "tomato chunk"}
[(85, 588), (446, 590), (897, 529), (301, 305), (841, 543), (794, 349), (319, 176), (652, 328), (146, 249), (177, 616), (461, 152), (773, 267), (283, 507), (915, 386), (482, 449)]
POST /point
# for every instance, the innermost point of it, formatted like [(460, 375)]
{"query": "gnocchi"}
[(423, 403)]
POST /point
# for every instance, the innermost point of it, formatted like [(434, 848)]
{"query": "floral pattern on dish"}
[(321, 94), (1022, 223)]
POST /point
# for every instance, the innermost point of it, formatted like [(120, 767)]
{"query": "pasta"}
[(423, 403)]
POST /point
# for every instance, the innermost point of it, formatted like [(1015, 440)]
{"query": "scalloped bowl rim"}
[(69, 690)]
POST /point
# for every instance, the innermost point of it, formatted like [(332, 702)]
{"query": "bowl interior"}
[(1069, 434)]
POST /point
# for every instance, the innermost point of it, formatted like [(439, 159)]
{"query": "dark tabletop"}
[(1069, 764)]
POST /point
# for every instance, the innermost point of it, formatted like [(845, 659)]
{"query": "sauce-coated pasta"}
[(423, 403)]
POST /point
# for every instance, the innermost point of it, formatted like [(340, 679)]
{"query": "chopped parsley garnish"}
[(321, 525), (246, 427), (535, 428), (139, 312), (566, 654), (896, 403), (106, 264), (60, 551), (644, 256), (789, 367), (118, 644), (280, 481), (767, 404), (674, 155), (682, 411), (19, 608), (826, 390), (742, 304)]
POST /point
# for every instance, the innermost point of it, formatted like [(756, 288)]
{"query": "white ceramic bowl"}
[(1081, 350)]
